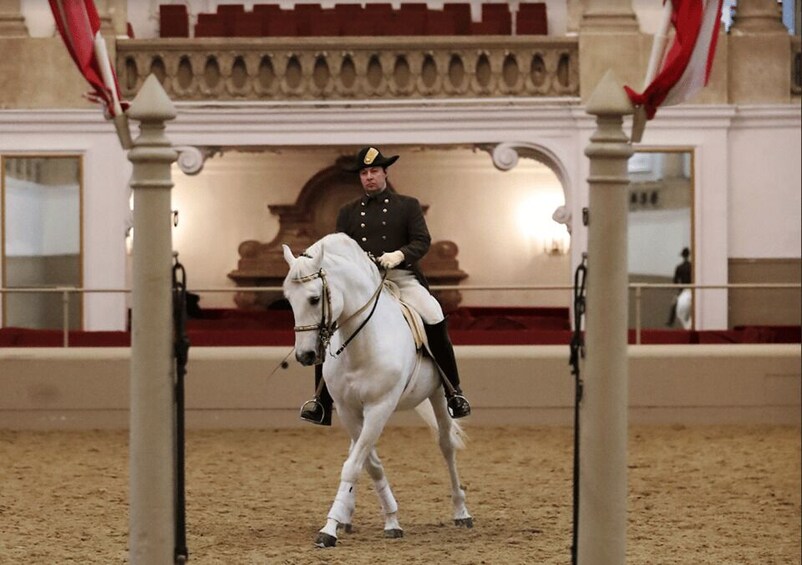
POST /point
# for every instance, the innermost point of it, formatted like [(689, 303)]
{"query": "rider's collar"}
[(370, 196)]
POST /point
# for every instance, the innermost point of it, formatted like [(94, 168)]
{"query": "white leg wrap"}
[(386, 498), (343, 507)]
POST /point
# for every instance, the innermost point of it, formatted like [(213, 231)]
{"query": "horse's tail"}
[(426, 412)]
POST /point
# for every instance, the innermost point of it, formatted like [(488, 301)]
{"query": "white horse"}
[(345, 317), (685, 308)]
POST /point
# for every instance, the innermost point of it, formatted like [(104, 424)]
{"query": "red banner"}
[(686, 68), (78, 24)]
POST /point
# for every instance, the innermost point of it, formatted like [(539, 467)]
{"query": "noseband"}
[(327, 327)]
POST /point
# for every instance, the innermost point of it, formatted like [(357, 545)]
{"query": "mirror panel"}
[(41, 222), (660, 224)]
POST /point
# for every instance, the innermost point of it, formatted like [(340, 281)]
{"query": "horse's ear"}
[(288, 256)]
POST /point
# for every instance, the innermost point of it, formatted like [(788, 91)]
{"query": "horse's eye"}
[(314, 300)]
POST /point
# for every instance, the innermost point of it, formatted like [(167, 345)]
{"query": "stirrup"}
[(313, 411), (458, 406)]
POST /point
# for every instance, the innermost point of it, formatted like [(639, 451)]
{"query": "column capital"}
[(757, 16), (609, 16), (12, 23)]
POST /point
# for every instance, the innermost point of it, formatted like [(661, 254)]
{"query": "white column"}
[(152, 430), (603, 411)]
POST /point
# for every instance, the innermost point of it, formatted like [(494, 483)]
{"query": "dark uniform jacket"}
[(387, 222), (683, 273)]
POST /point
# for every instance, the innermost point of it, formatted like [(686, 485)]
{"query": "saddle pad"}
[(414, 321)]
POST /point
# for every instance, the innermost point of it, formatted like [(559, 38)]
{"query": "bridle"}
[(327, 327)]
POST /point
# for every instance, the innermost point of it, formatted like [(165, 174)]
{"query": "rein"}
[(327, 328)]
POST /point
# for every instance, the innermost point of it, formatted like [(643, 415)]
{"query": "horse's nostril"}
[(305, 358)]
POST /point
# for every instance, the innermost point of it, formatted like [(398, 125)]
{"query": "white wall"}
[(765, 194)]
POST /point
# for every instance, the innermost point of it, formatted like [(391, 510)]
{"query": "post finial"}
[(151, 102), (609, 97)]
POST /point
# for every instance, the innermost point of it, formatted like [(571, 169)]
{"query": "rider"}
[(391, 227)]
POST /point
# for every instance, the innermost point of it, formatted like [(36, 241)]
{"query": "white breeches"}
[(414, 294)]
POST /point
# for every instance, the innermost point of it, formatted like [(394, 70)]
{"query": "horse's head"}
[(316, 305)]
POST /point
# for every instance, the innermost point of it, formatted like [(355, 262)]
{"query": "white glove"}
[(392, 259)]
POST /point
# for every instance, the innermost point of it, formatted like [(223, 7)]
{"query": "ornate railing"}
[(352, 68)]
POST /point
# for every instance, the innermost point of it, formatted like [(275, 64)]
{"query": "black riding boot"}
[(443, 351), (318, 409)]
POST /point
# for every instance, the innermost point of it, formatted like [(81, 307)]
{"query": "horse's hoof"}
[(464, 522), (347, 528), (325, 540), (394, 533)]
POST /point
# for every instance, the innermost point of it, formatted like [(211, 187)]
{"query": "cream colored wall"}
[(470, 202), (228, 387), (227, 204), (765, 180)]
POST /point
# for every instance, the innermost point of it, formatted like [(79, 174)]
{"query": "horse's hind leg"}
[(448, 446), (389, 506)]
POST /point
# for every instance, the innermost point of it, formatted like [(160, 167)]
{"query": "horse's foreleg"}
[(341, 512), (369, 429), (449, 450), (389, 506)]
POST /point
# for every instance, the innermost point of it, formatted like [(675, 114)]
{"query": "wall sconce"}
[(555, 246), (538, 226)]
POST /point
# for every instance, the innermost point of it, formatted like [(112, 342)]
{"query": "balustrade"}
[(352, 68)]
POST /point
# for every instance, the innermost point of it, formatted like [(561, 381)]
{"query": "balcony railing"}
[(352, 68), (637, 288)]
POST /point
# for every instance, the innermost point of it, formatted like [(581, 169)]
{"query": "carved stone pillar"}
[(610, 15), (152, 413), (760, 55), (106, 25), (574, 16), (12, 24), (603, 409), (610, 38), (757, 16)]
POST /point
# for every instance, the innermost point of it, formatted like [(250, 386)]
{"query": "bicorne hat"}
[(370, 157)]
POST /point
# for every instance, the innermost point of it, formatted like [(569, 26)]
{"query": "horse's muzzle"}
[(306, 358)]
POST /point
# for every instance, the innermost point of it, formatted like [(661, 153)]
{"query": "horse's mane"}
[(339, 250)]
